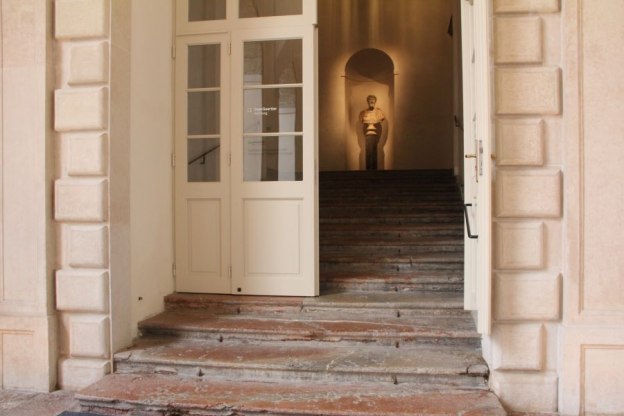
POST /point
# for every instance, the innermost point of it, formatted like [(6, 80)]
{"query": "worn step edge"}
[(155, 396), (391, 330), (443, 366), (374, 301)]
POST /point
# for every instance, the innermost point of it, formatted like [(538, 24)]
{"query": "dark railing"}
[(203, 156), (470, 235)]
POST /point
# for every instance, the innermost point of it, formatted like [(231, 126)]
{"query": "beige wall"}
[(151, 199), (414, 34), (27, 318)]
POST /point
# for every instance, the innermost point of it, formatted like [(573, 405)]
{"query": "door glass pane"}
[(275, 158), (203, 160), (273, 62), (203, 112), (268, 8), (273, 110), (206, 10), (204, 66)]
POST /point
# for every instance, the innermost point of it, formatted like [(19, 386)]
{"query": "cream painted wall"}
[(414, 34), (151, 175), (592, 334)]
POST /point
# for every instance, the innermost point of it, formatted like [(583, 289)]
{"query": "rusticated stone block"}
[(87, 155), (526, 6), (89, 336), (528, 193), (78, 373), (82, 291), (81, 109), (89, 64), (524, 392), (519, 142), (526, 296), (87, 246), (80, 19), (519, 245), (528, 91), (518, 40), (81, 200), (518, 347)]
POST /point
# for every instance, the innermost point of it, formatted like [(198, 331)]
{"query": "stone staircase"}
[(388, 336)]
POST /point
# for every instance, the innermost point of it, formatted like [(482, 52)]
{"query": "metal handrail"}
[(470, 235), (203, 156)]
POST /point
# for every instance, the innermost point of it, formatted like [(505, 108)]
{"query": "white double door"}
[(245, 162)]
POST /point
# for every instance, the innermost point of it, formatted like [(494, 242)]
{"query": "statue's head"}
[(371, 100)]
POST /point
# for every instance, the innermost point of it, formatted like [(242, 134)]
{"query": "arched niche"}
[(368, 72)]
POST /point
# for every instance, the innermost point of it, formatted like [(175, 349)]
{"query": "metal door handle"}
[(470, 235), (471, 156)]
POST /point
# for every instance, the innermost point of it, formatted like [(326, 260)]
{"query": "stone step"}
[(347, 327), (394, 203), (419, 173), (387, 249), (381, 270), (366, 221), (388, 197), (391, 233), (390, 282), (285, 361), (444, 257), (377, 211), (381, 304), (158, 395)]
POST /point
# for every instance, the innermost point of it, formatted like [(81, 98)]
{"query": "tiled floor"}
[(15, 403)]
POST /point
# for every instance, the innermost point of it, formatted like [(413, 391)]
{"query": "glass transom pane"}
[(268, 8), (204, 66), (273, 62), (200, 10)]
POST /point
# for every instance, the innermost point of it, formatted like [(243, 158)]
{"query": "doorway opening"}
[(411, 55)]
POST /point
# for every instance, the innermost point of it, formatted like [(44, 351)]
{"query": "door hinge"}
[(173, 160), (230, 159), (230, 271), (230, 48), (173, 270), (173, 51)]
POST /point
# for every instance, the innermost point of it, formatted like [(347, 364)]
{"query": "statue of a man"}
[(371, 119)]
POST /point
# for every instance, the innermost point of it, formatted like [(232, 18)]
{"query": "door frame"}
[(477, 93)]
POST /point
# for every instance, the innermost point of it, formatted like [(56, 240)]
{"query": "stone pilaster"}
[(527, 203), (82, 120)]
